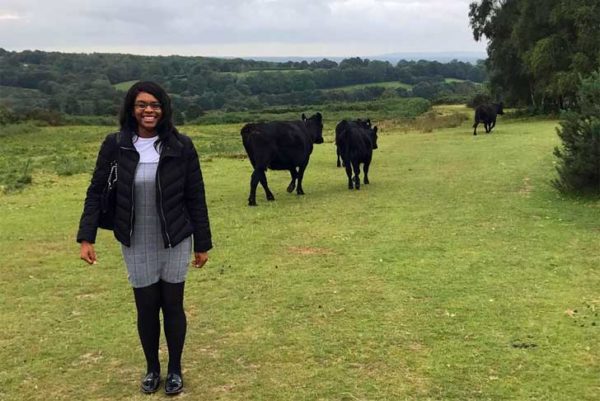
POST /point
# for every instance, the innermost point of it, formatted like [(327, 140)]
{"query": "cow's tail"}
[(477, 119), (343, 143)]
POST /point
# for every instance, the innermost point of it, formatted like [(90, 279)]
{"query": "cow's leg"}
[(337, 149), (475, 127), (294, 175), (349, 174), (263, 181), (356, 168), (299, 189), (492, 125), (366, 170), (254, 179), (487, 128)]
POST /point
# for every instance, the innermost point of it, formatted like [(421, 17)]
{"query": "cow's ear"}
[(303, 117)]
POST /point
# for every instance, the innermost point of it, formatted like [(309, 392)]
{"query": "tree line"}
[(538, 51), (88, 84)]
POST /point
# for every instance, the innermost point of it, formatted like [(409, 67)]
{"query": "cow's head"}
[(499, 108), (314, 124), (373, 133), (364, 123)]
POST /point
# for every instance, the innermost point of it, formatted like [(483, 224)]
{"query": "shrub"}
[(579, 158), (69, 165), (432, 120), (15, 175), (8, 116), (479, 99)]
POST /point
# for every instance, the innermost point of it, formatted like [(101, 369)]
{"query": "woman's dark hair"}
[(127, 119)]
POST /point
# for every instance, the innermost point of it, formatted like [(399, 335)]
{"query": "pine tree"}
[(579, 158)]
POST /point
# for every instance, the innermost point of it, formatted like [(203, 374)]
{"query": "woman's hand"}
[(200, 259), (88, 253)]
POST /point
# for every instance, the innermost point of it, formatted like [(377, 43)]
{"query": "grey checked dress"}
[(147, 259)]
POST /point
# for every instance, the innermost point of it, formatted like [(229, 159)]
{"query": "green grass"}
[(459, 273)]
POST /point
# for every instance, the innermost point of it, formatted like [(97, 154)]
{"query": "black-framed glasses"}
[(143, 105)]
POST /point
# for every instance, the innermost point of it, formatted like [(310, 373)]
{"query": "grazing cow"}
[(486, 114), (356, 141), (362, 123), (280, 145)]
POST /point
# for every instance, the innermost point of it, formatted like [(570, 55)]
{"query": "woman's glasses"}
[(143, 105)]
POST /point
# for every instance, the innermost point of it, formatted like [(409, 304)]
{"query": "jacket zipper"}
[(132, 196), (162, 212)]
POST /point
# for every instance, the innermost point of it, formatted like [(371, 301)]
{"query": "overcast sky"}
[(238, 27)]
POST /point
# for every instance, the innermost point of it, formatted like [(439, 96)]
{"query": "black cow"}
[(356, 141), (363, 123), (486, 114), (280, 145)]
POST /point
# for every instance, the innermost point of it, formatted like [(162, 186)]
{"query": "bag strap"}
[(113, 174)]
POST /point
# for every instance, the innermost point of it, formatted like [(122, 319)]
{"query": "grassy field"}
[(459, 273), (124, 86), (390, 84)]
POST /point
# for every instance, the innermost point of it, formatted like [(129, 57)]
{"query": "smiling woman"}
[(147, 111), (155, 166)]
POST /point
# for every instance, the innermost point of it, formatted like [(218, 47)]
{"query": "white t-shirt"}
[(146, 149)]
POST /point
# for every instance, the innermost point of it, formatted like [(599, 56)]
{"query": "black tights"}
[(148, 301)]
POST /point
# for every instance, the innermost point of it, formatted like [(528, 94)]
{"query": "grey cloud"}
[(397, 25)]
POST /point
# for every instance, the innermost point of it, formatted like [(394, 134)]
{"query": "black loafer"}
[(150, 383), (173, 384)]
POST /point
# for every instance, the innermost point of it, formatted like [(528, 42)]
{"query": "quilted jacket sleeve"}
[(195, 200), (88, 224)]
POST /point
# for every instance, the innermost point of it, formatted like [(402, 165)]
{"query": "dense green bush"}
[(14, 175), (7, 116), (579, 157), (479, 99)]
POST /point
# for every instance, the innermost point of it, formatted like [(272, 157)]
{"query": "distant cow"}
[(355, 141), (280, 145), (486, 114), (363, 123)]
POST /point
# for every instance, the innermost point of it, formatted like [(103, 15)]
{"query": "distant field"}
[(459, 273), (283, 71), (384, 109), (391, 84), (124, 86), (451, 80)]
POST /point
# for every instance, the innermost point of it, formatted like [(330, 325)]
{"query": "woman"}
[(160, 206)]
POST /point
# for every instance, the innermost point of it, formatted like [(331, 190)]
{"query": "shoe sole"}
[(175, 392)]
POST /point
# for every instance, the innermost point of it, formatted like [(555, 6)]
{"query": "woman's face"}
[(148, 112)]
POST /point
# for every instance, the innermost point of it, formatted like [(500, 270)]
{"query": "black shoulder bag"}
[(109, 192)]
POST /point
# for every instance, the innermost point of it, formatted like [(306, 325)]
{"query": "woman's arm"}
[(88, 224), (196, 202)]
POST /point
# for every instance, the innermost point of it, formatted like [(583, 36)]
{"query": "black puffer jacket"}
[(180, 196)]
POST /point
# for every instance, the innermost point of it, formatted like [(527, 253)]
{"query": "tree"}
[(536, 50), (579, 157)]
